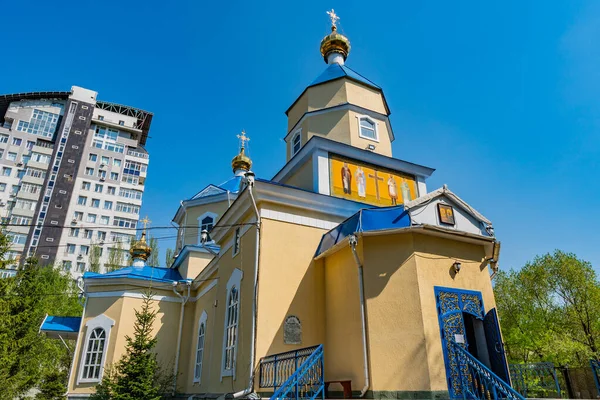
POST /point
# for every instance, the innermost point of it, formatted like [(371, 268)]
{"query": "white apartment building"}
[(72, 176)]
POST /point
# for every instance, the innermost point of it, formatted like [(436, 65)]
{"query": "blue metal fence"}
[(535, 379), (477, 381), (294, 374)]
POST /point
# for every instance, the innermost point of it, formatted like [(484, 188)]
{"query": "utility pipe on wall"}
[(250, 181), (184, 300), (353, 241)]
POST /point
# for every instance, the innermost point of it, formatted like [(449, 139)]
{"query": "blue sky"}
[(502, 98)]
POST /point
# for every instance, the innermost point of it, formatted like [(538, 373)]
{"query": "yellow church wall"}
[(334, 125), (244, 261), (290, 284), (363, 96), (327, 95), (297, 111), (434, 258), (191, 234), (397, 356), (212, 344), (194, 264), (303, 177), (112, 307), (382, 146), (343, 338)]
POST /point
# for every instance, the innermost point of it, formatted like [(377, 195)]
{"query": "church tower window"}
[(296, 143), (368, 128), (94, 355)]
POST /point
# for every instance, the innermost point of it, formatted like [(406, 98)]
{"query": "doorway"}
[(462, 320)]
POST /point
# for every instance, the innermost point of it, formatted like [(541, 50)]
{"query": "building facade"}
[(345, 249), (72, 177)]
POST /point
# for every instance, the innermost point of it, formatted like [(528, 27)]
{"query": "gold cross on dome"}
[(243, 138), (334, 18), (146, 222)]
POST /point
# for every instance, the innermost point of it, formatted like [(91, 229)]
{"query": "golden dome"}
[(241, 161), (335, 43), (140, 249)]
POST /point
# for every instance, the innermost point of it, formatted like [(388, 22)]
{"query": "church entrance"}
[(462, 320)]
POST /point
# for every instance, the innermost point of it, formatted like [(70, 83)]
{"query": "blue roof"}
[(145, 273), (366, 220), (60, 324), (232, 185), (335, 71)]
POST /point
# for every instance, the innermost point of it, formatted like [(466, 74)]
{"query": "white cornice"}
[(343, 107)]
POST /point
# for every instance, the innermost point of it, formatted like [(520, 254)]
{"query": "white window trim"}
[(375, 124), (200, 218), (234, 280), (298, 133), (101, 321), (202, 320)]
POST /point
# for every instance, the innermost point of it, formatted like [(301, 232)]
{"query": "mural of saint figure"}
[(393, 190), (346, 179), (405, 192), (361, 182)]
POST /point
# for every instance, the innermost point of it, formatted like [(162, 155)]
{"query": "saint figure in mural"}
[(405, 192), (361, 182), (393, 190), (346, 179)]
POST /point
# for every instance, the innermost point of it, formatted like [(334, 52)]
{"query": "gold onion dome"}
[(241, 161), (140, 249), (335, 43)]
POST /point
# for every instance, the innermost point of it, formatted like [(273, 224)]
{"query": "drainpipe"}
[(184, 300), (352, 241), (250, 181)]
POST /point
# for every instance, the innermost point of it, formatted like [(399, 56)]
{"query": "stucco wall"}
[(303, 177)]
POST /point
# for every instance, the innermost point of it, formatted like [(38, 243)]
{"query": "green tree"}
[(28, 359), (94, 258), (137, 375), (169, 256), (550, 310), (115, 257), (153, 260)]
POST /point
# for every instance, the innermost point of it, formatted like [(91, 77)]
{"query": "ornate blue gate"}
[(451, 304)]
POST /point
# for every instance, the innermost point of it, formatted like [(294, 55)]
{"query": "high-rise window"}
[(42, 123), (81, 200), (108, 205), (84, 250), (91, 218), (104, 220), (124, 222), (106, 138), (93, 157), (6, 171), (70, 249), (96, 203), (3, 138), (85, 185), (11, 156), (17, 141)]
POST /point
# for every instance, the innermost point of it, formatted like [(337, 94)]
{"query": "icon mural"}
[(369, 184)]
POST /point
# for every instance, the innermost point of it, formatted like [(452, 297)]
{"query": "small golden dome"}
[(335, 43), (241, 161), (140, 249)]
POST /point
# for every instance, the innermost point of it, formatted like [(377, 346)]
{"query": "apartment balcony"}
[(138, 154), (28, 195), (43, 148), (31, 179), (38, 165)]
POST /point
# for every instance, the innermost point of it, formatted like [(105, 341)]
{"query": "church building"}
[(344, 265)]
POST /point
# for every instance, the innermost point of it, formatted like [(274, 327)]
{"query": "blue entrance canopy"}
[(65, 327), (366, 220)]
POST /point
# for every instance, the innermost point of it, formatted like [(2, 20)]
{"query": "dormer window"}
[(368, 128), (296, 143)]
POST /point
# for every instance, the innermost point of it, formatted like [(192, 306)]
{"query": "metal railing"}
[(477, 381), (535, 379), (595, 364), (294, 374)]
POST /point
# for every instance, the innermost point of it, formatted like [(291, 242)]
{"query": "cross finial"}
[(334, 18), (146, 222), (243, 139)]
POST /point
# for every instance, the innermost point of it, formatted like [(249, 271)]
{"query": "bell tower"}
[(340, 104)]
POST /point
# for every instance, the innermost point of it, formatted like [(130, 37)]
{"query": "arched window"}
[(200, 347), (207, 223), (231, 329), (94, 355), (230, 326), (296, 143), (368, 128)]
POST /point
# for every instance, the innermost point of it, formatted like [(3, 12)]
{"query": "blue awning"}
[(66, 327), (366, 220)]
